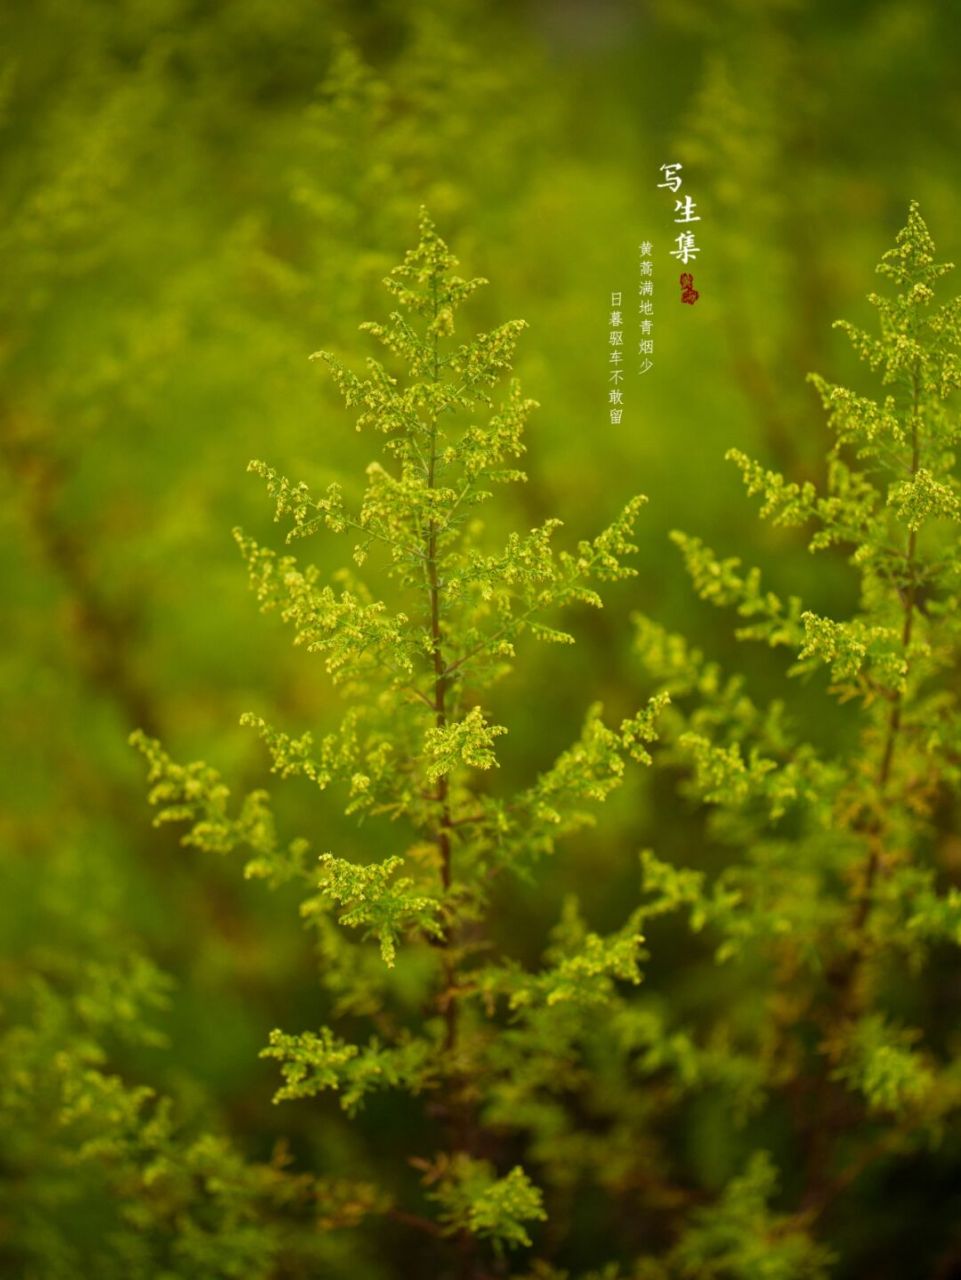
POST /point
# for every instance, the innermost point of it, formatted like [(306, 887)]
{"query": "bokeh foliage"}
[(194, 197)]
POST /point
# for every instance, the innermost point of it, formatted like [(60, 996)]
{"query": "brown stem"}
[(845, 980), (442, 796), (820, 1199), (908, 600), (105, 632), (416, 1221), (459, 1118)]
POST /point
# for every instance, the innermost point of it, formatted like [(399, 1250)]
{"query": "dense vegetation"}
[(507, 1042)]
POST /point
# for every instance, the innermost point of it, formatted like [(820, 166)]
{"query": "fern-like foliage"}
[(838, 883), (427, 618)]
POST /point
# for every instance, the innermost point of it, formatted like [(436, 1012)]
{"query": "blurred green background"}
[(195, 196)]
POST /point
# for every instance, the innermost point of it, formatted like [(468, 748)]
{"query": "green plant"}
[(540, 1085), (104, 1175), (407, 944), (839, 891)]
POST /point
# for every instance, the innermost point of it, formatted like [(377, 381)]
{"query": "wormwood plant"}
[(425, 621), (832, 919), (838, 908)]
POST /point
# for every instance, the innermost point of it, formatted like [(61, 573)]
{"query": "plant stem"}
[(863, 909), (830, 1117), (458, 1117)]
